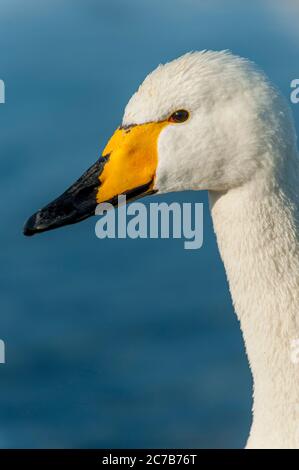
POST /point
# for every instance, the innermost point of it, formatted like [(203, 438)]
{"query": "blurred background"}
[(114, 343)]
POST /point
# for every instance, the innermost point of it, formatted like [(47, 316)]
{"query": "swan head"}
[(205, 121)]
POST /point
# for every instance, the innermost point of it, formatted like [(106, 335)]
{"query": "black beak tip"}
[(30, 226)]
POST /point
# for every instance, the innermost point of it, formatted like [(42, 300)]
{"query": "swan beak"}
[(127, 166)]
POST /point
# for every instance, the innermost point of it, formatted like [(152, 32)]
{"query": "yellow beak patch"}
[(133, 158)]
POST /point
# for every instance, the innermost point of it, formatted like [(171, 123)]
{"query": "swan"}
[(211, 120)]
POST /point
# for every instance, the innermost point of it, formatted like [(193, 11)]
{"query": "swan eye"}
[(179, 116)]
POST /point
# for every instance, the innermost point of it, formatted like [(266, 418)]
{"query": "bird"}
[(211, 120)]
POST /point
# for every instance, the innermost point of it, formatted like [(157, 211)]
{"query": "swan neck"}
[(257, 234)]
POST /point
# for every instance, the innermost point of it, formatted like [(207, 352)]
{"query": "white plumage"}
[(240, 144)]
